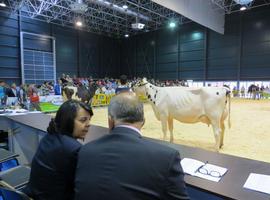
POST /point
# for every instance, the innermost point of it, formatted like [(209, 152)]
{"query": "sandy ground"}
[(248, 137)]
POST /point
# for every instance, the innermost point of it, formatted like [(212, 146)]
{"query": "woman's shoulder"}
[(63, 141)]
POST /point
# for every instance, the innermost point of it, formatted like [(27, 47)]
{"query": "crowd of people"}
[(28, 94), (252, 92)]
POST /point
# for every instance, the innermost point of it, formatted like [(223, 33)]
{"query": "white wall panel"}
[(203, 12)]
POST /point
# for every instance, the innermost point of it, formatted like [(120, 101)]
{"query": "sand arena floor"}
[(248, 137)]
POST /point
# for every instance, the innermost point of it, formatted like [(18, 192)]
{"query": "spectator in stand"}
[(110, 91), (103, 89), (85, 82), (114, 84), (58, 87), (32, 93), (123, 87), (2, 92), (12, 91), (261, 92), (22, 96), (98, 91), (243, 91), (257, 91), (45, 90)]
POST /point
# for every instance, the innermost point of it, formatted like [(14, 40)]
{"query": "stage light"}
[(2, 4), (172, 24), (79, 23), (243, 8)]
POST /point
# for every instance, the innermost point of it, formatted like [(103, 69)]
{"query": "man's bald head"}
[(125, 108)]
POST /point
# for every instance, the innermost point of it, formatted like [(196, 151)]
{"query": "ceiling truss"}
[(107, 17), (98, 18), (231, 6)]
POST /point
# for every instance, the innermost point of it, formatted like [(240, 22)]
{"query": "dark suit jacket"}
[(124, 166), (10, 93), (121, 88), (53, 168)]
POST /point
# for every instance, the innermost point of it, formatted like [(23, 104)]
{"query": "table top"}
[(38, 121), (231, 184), (41, 121)]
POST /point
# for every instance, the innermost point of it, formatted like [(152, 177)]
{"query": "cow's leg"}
[(170, 124), (217, 131), (222, 126), (164, 126)]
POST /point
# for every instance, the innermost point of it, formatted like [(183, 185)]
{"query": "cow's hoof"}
[(216, 149)]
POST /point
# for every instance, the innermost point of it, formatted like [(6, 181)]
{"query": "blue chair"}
[(7, 160), (10, 194)]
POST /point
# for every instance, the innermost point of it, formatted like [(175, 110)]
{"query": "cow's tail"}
[(228, 99)]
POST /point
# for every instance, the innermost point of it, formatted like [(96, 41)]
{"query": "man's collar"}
[(129, 127)]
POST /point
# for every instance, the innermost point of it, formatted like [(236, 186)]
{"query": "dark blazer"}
[(123, 165), (122, 88), (10, 93), (53, 168)]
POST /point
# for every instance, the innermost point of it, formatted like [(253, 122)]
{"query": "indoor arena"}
[(134, 99)]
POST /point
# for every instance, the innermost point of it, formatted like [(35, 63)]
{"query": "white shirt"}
[(130, 127)]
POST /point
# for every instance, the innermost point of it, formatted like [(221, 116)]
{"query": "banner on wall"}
[(204, 12)]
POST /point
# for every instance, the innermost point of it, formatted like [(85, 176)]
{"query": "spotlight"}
[(126, 35), (243, 8), (172, 24), (79, 23), (2, 4)]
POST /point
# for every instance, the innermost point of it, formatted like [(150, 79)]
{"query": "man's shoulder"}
[(96, 142), (158, 146), (144, 144)]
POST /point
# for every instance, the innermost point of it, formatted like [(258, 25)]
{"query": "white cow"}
[(188, 105)]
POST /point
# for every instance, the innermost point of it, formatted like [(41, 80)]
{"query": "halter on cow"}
[(188, 105)]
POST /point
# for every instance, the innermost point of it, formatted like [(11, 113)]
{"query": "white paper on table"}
[(35, 111), (191, 166), (258, 182), (210, 167)]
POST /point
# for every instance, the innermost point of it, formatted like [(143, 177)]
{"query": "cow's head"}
[(67, 93), (139, 87), (141, 82)]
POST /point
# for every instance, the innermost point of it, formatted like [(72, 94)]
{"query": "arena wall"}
[(190, 52), (193, 52), (77, 52)]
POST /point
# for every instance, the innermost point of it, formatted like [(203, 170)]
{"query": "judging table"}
[(30, 128)]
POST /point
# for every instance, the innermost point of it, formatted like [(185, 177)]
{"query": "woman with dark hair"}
[(53, 166)]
